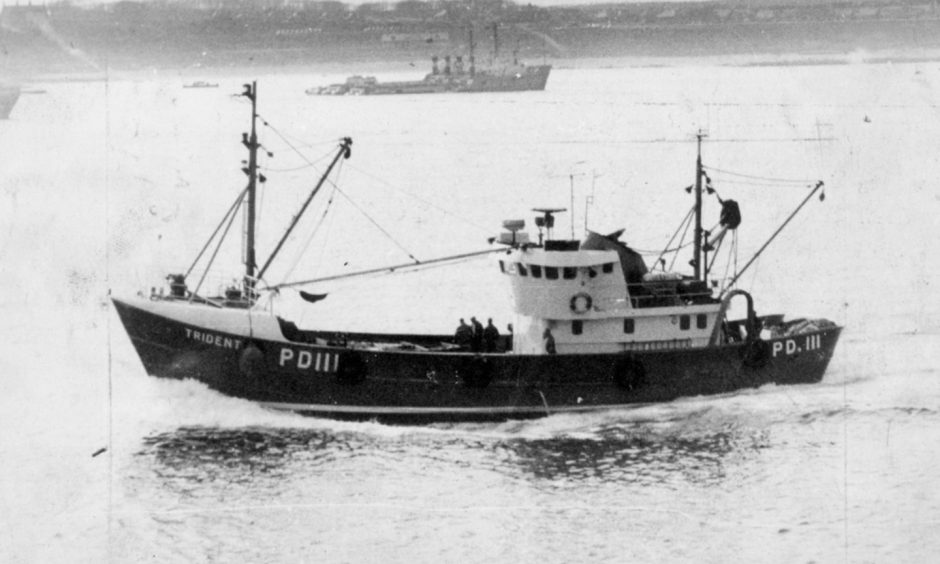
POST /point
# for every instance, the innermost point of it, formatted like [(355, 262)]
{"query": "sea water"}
[(108, 186)]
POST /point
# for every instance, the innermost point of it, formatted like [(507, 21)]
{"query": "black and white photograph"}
[(477, 281)]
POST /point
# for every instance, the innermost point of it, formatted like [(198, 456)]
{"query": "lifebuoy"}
[(352, 369), (755, 354), (581, 303), (476, 372), (629, 374)]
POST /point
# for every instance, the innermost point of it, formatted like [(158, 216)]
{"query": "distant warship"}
[(457, 78)]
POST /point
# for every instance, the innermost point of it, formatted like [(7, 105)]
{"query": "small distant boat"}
[(595, 329), (201, 84), (511, 77), (8, 97)]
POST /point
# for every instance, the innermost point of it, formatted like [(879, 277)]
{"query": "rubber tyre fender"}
[(352, 369), (629, 374), (476, 372), (755, 354), (251, 359)]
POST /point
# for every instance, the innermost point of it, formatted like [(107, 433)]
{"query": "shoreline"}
[(400, 67)]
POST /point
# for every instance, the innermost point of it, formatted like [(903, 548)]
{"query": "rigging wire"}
[(420, 199), (291, 145), (375, 223), (303, 144), (309, 163), (359, 208), (671, 239), (215, 252), (732, 256), (764, 178), (231, 210), (313, 232), (685, 232), (761, 184), (388, 269), (708, 267)]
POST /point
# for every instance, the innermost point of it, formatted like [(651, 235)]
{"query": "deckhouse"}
[(597, 296)]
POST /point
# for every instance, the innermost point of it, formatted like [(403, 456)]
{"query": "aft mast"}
[(697, 258), (251, 142)]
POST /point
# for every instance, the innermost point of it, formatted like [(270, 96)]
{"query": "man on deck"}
[(476, 338), (463, 334), (490, 336)]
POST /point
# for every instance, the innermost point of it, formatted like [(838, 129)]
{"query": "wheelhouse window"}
[(502, 267), (608, 268), (685, 322), (577, 327), (551, 272), (569, 272), (629, 326), (536, 270), (701, 321), (522, 270)]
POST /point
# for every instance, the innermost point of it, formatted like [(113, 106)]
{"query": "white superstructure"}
[(598, 301)]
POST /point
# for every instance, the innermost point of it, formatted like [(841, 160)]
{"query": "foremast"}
[(250, 140)]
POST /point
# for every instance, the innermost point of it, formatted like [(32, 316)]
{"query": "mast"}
[(697, 258), (251, 142)]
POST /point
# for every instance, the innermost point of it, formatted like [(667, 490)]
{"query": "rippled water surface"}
[(108, 186)]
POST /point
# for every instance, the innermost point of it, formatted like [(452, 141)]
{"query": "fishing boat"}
[(8, 97), (595, 328), (201, 84), (456, 77)]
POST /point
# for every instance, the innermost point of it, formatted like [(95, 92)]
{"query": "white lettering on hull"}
[(213, 339), (319, 361), (791, 346)]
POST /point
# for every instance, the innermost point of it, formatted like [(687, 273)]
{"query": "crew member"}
[(490, 336), (463, 334), (476, 337), (549, 341)]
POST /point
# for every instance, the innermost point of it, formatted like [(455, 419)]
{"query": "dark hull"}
[(340, 382)]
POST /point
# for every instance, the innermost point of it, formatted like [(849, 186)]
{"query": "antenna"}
[(589, 200)]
